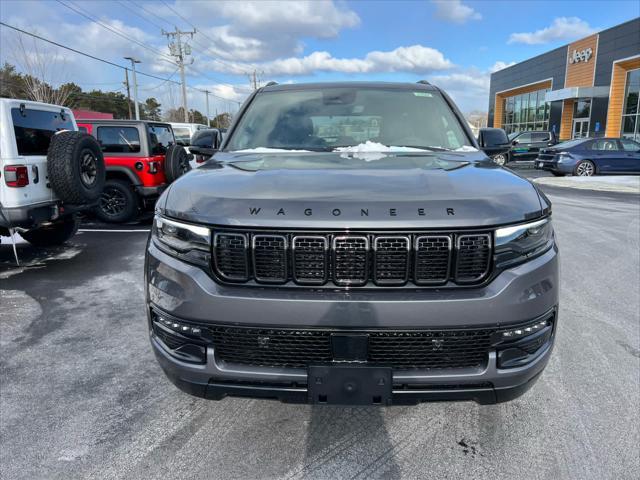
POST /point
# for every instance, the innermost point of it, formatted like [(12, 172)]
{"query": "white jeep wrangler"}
[(49, 171)]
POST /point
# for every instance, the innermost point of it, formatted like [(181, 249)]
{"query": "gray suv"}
[(348, 243)]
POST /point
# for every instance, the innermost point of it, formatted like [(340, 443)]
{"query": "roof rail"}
[(423, 82), (271, 83)]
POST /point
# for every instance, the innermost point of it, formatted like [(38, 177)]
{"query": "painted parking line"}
[(112, 230)]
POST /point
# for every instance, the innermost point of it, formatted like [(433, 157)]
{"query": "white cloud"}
[(562, 28), (454, 11), (265, 30), (500, 65), (414, 58)]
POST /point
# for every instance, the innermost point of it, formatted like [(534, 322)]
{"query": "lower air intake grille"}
[(298, 348)]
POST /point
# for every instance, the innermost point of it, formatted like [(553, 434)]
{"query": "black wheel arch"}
[(118, 172)]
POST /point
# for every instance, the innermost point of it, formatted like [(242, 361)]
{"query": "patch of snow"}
[(466, 148), (370, 151), (270, 150)]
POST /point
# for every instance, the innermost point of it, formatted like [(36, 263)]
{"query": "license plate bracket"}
[(349, 385)]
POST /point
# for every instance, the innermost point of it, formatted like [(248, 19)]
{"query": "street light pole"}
[(135, 85)]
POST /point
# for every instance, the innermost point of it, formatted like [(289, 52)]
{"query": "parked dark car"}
[(527, 145), (586, 157), (495, 143)]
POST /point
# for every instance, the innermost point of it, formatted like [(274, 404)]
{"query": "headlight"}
[(519, 243), (563, 156), (191, 243)]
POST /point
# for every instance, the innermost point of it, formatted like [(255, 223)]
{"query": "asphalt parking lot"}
[(81, 395)]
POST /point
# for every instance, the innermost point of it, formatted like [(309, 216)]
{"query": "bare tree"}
[(40, 68)]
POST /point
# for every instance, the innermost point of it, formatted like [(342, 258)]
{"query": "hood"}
[(343, 190)]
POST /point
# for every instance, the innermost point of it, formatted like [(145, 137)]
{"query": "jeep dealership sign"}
[(580, 56)]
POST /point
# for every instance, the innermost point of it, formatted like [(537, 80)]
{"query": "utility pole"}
[(180, 51), (135, 85), (207, 92), (253, 79), (126, 82)]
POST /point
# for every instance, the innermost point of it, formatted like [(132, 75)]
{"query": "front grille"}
[(474, 257), (270, 258), (350, 261), (353, 260), (296, 348), (230, 256)]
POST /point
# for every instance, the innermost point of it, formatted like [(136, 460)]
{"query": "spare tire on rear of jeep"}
[(176, 162), (75, 167)]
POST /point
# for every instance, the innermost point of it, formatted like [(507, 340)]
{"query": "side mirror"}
[(515, 142), (493, 140), (205, 144)]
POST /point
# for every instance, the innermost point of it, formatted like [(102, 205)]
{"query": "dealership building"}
[(589, 88)]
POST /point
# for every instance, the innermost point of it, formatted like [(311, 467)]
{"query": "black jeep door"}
[(520, 148)]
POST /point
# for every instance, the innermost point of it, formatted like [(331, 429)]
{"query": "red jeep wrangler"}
[(141, 159)]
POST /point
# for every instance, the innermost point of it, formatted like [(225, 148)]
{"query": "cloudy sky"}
[(454, 44)]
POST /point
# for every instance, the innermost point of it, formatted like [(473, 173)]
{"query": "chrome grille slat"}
[(435, 259)]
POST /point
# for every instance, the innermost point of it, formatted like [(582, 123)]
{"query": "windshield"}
[(329, 118), (182, 134)]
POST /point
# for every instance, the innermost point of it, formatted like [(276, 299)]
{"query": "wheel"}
[(557, 174), (585, 168), (118, 203), (75, 167), (55, 234), (501, 159), (176, 163)]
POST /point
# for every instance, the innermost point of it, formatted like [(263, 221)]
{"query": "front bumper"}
[(515, 296)]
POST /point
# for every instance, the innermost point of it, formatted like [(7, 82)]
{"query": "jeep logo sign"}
[(580, 56)]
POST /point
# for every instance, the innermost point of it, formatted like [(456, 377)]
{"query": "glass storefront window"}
[(527, 111), (582, 108), (631, 112)]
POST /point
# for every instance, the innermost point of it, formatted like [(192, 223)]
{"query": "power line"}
[(93, 57), (84, 53), (203, 51), (124, 4), (115, 30)]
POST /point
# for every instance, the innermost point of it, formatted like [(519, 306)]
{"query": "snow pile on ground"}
[(618, 183)]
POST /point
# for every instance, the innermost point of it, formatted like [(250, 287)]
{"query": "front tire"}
[(585, 168), (501, 159), (55, 234), (118, 202)]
